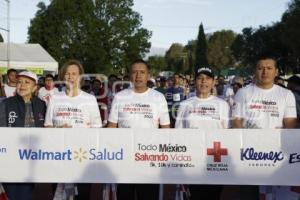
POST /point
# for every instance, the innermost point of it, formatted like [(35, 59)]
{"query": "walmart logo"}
[(80, 155)]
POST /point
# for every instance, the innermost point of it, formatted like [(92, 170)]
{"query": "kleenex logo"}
[(251, 154)]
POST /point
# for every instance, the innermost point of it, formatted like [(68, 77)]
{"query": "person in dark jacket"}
[(22, 110)]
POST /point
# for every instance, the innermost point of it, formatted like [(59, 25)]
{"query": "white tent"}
[(32, 57)]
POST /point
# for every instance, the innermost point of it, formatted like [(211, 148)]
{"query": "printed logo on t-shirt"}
[(71, 114), (12, 117), (205, 111), (264, 106), (139, 109)]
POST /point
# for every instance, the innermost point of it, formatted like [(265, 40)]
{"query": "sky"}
[(171, 21)]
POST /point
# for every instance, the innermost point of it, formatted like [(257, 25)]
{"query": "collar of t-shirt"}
[(264, 90), (205, 99), (73, 97), (140, 94)]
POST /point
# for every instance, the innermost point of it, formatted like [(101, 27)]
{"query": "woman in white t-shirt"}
[(204, 111), (73, 108)]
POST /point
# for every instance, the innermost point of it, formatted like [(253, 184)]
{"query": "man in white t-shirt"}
[(46, 92), (264, 105), (10, 87), (204, 111), (139, 107)]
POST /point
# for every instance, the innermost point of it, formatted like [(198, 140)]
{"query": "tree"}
[(190, 49), (104, 35), (219, 53), (290, 33), (201, 49), (174, 57), (157, 64)]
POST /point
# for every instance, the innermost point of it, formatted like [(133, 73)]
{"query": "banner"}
[(187, 156), (3, 70), (37, 71)]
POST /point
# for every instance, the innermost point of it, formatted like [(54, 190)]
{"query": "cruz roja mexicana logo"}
[(80, 155)]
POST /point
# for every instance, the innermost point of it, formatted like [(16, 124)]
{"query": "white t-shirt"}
[(211, 112), (264, 108), (45, 94), (79, 111), (139, 110), (9, 91)]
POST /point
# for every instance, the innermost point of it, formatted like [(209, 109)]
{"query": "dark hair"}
[(64, 68), (267, 57), (137, 61), (49, 76), (112, 76), (11, 70), (96, 80)]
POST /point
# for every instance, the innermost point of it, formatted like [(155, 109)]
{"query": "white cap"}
[(29, 75)]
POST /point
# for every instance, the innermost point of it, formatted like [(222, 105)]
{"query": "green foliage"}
[(280, 40), (157, 64), (105, 35), (291, 31), (175, 57), (190, 50), (219, 53), (201, 49)]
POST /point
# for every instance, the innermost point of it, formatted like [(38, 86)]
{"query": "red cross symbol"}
[(217, 152)]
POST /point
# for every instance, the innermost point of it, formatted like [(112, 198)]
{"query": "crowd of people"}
[(74, 100)]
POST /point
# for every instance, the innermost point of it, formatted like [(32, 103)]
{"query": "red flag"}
[(3, 195)]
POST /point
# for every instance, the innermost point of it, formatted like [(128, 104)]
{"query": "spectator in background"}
[(192, 90), (100, 93), (162, 85), (279, 81), (87, 84), (46, 92), (2, 92), (174, 96), (294, 86), (220, 86), (150, 84), (29, 111), (237, 83), (112, 89), (10, 87), (126, 82)]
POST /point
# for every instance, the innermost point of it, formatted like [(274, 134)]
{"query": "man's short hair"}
[(137, 61), (267, 57), (11, 70), (49, 76)]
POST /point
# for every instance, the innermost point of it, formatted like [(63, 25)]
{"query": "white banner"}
[(232, 156)]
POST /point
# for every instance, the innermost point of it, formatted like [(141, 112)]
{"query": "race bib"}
[(176, 97)]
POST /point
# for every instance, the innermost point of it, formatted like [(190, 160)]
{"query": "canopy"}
[(31, 57)]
